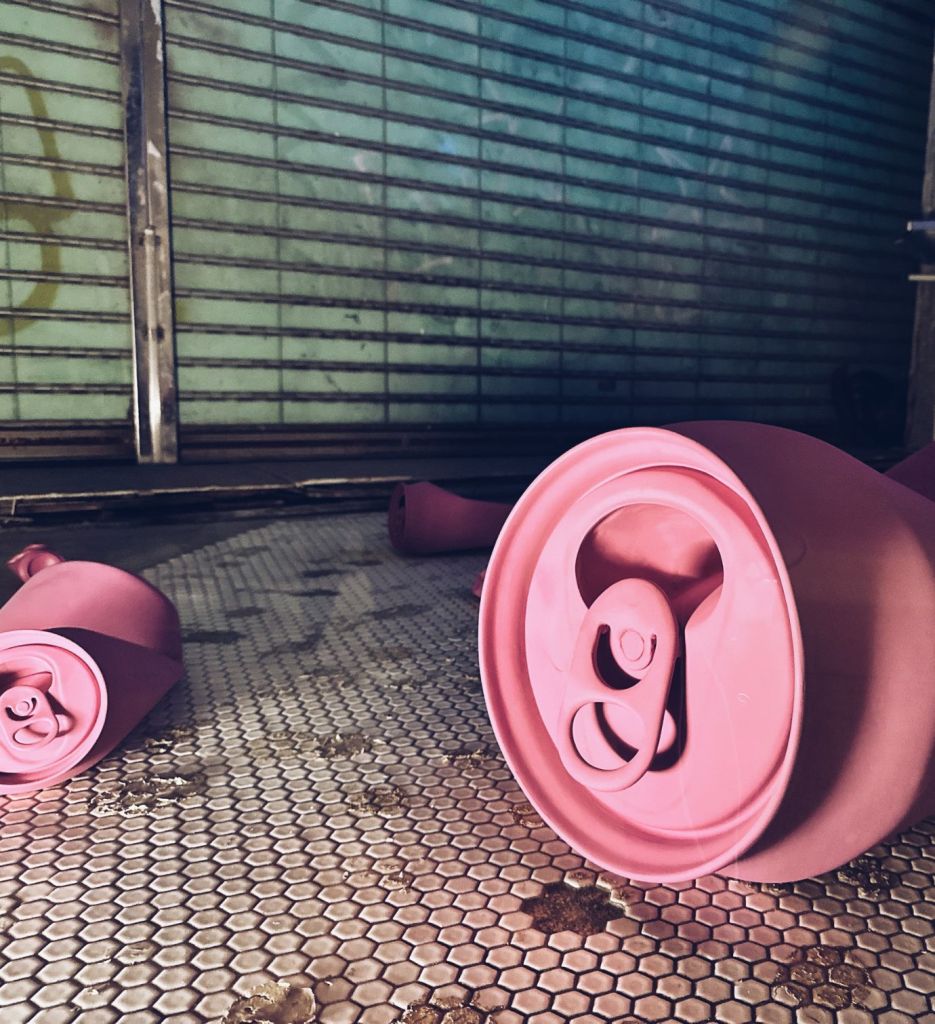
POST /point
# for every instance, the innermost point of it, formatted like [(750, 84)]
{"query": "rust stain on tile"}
[(343, 745), (526, 815), (340, 746), (421, 1013), (869, 876), (136, 795), (391, 873), (394, 874), (790, 993), (137, 953), (777, 888), (819, 976), (398, 881), (381, 798), (565, 908), (319, 680), (168, 741), (825, 956), (273, 1003), (619, 893), (451, 1010), (472, 756)]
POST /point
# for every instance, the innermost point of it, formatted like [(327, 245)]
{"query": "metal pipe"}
[(155, 398)]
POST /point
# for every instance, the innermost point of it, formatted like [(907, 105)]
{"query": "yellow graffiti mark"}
[(40, 218)]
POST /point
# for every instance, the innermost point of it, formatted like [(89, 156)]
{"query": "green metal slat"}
[(67, 116), (33, 178), (860, 16), (257, 39), (289, 182), (506, 33), (609, 159), (539, 345), (536, 121), (80, 29), (271, 283)]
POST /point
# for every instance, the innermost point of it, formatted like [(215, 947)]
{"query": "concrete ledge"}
[(88, 492)]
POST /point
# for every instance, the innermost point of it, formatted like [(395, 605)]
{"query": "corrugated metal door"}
[(401, 213), (65, 354)]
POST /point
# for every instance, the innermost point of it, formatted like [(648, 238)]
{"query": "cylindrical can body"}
[(799, 715)]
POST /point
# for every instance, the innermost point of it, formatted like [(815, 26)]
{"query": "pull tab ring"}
[(644, 642), (27, 718)]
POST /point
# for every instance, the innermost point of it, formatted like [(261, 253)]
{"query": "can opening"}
[(608, 736), (665, 546), (52, 707)]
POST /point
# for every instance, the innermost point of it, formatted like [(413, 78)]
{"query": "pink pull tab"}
[(32, 559), (636, 621), (27, 718)]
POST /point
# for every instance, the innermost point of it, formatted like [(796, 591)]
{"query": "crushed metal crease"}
[(321, 804)]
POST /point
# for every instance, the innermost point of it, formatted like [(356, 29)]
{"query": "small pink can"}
[(86, 651)]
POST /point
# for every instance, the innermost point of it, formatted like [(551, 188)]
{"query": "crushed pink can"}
[(86, 651)]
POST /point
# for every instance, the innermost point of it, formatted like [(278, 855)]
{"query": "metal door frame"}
[(143, 79)]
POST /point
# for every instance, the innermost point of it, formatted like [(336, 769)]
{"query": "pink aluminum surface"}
[(86, 651), (424, 519), (917, 472), (32, 559), (707, 648)]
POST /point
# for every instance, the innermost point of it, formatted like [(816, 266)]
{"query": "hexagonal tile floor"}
[(321, 804)]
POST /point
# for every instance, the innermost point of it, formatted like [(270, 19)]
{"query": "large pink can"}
[(710, 648)]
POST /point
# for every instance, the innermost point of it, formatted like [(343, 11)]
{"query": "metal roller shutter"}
[(417, 212), (65, 352)]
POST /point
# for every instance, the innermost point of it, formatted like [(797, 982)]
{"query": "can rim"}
[(522, 736), (90, 726)]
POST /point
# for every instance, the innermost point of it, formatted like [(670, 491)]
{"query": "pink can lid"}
[(53, 702), (641, 655)]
